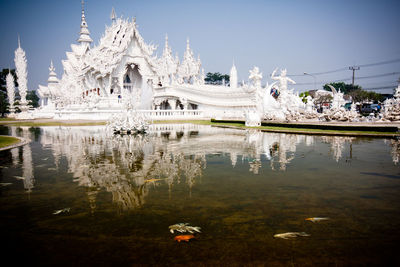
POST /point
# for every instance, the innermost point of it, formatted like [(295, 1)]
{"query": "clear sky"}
[(311, 36)]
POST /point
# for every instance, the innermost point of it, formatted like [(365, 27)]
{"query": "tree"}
[(344, 87), (33, 98), (356, 92), (362, 95), (323, 99), (216, 78), (304, 95)]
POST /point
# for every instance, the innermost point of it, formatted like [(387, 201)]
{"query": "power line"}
[(350, 78), (380, 63), (381, 87), (346, 68)]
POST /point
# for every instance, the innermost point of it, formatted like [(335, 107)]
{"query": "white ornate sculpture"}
[(189, 68), (22, 73), (167, 65), (255, 77), (283, 79), (391, 111), (10, 93)]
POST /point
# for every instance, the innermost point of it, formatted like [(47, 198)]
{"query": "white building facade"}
[(122, 73)]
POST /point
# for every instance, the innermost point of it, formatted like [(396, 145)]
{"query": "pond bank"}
[(21, 142), (376, 129)]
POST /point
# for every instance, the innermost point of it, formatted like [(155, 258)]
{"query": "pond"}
[(81, 196)]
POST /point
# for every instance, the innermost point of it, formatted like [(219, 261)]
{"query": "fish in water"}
[(40, 166), (184, 227), (186, 238), (317, 219), (291, 235), (61, 211), (19, 177), (152, 180), (5, 184), (52, 169)]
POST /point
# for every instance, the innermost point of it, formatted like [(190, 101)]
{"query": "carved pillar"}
[(172, 103)]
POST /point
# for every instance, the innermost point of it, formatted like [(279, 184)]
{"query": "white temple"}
[(101, 81)]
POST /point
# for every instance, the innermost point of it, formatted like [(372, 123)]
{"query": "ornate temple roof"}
[(113, 45)]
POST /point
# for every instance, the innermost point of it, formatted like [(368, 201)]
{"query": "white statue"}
[(309, 104), (283, 79), (255, 77)]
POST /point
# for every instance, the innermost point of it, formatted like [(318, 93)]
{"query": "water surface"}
[(241, 188)]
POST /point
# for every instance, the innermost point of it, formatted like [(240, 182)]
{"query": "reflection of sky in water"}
[(127, 166)]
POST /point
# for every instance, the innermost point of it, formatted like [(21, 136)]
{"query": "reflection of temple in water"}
[(26, 162), (337, 144), (395, 152), (129, 166)]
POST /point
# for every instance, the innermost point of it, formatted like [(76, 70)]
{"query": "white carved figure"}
[(337, 112), (392, 107), (283, 79), (10, 93), (255, 77)]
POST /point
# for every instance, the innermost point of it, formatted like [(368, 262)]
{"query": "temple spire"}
[(113, 17), (187, 44), (52, 74), (84, 34), (233, 78), (166, 41)]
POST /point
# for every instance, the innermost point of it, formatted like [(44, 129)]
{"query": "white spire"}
[(52, 74), (10, 91), (22, 75), (233, 79), (84, 34), (113, 17)]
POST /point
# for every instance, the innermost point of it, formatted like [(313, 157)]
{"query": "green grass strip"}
[(307, 131), (8, 141)]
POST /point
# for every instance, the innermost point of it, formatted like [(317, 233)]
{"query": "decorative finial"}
[(187, 44), (113, 16), (19, 42)]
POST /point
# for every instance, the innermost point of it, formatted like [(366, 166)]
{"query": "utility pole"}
[(354, 68)]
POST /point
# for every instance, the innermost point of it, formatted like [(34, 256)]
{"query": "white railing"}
[(172, 114), (150, 114)]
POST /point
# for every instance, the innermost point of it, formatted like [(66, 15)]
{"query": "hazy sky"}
[(302, 36)]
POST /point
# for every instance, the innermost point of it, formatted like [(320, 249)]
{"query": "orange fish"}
[(186, 238)]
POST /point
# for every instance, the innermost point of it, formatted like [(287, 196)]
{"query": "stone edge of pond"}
[(335, 133), (22, 142)]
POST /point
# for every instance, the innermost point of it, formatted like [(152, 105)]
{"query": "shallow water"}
[(241, 188)]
